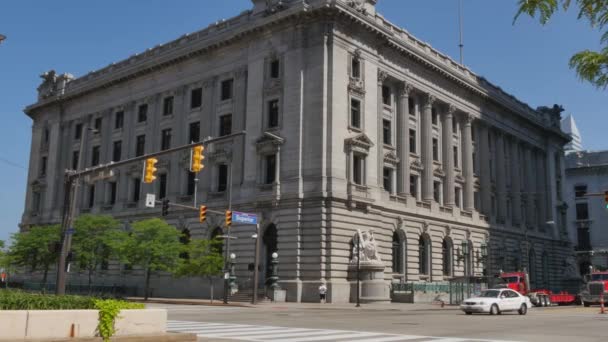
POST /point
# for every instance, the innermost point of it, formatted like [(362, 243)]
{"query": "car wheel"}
[(544, 301), (548, 302), (468, 312), (494, 310), (523, 309), (586, 304)]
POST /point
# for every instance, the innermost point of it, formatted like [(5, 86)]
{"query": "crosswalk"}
[(244, 332)]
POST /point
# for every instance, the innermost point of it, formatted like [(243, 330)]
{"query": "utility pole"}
[(461, 43)]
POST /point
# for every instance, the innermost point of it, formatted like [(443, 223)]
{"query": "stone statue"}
[(570, 268), (554, 114), (368, 249), (48, 86)]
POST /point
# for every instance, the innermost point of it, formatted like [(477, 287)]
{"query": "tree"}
[(93, 241), (204, 260), (591, 66), (152, 244), (37, 248)]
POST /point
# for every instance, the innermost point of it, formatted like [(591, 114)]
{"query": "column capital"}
[(382, 76), (467, 118), (429, 99), (406, 89), (451, 110)]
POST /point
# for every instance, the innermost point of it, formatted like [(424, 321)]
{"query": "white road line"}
[(390, 338), (289, 334), (331, 337)]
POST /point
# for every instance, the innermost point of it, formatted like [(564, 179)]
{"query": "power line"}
[(8, 162)]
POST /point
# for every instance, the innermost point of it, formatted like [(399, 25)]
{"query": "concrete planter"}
[(37, 324)]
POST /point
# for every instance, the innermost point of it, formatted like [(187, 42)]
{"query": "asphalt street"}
[(395, 322)]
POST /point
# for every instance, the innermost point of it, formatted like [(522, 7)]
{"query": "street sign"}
[(150, 200), (70, 231), (244, 218)]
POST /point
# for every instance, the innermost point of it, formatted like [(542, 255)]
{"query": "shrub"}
[(108, 311)]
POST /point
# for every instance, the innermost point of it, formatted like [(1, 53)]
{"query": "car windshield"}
[(511, 279), (599, 277), (489, 294)]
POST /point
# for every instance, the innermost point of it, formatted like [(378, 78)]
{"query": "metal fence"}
[(458, 289), (115, 291)]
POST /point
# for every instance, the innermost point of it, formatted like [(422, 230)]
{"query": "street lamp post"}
[(256, 273), (358, 272)]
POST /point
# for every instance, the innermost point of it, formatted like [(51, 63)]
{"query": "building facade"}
[(587, 173), (569, 127), (351, 123)]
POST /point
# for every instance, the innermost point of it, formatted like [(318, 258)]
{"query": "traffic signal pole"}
[(72, 178)]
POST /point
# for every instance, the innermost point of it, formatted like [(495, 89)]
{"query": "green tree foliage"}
[(152, 244), (204, 260), (36, 249), (93, 240), (591, 66)]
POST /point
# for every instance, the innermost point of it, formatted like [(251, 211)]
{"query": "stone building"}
[(569, 127), (351, 123), (587, 173)]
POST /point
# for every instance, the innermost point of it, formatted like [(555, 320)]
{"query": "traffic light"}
[(228, 218), (202, 214), (606, 198), (165, 209), (150, 170), (197, 158)]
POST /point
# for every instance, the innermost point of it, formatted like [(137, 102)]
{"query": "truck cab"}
[(597, 285), (516, 281)]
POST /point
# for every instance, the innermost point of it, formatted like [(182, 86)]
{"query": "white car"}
[(496, 301)]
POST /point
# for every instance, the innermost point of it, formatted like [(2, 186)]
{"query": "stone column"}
[(427, 149), (501, 182), (467, 163), (484, 171), (541, 188), (515, 182), (448, 157), (403, 141), (530, 188), (382, 76)]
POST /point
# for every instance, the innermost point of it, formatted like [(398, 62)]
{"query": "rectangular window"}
[(194, 132), (78, 131), (168, 105), (273, 113), (165, 141), (222, 177), (97, 125), (275, 68), (457, 194), (91, 196), (434, 117), (225, 124), (386, 132), (412, 141), (142, 113), (456, 156), (140, 145), (355, 113), (36, 202), (411, 106), (271, 169), (117, 151), (355, 68), (414, 186), (196, 98), (75, 157), (580, 190), (386, 95), (582, 211), (387, 179), (95, 156), (162, 184), (191, 183), (112, 193), (437, 191), (43, 166), (584, 239), (358, 170), (226, 88), (136, 189), (454, 126), (46, 135), (476, 200), (119, 120), (435, 149)]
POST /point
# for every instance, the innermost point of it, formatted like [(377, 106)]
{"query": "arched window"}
[(424, 255), (447, 253), (397, 254), (184, 239)]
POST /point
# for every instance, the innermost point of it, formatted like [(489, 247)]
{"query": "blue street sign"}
[(244, 218), (70, 231)]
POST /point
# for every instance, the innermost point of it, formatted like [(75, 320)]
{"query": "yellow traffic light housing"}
[(196, 164), (202, 215), (228, 218), (150, 170)]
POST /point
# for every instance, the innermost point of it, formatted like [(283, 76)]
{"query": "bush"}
[(108, 311)]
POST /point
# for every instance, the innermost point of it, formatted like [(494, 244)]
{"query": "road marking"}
[(263, 333)]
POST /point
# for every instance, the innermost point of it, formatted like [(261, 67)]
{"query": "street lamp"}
[(358, 271)]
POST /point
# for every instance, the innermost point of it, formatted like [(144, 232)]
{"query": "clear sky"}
[(528, 60)]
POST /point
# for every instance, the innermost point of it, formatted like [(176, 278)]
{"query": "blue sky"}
[(75, 36)]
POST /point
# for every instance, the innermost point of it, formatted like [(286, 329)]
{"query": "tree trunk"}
[(211, 285), (147, 286), (44, 277)]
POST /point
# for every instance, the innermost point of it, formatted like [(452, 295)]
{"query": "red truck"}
[(597, 284), (520, 282)]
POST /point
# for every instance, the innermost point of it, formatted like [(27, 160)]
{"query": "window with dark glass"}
[(191, 183), (423, 256), (411, 106), (36, 202), (455, 156), (386, 95), (434, 116), (386, 132), (358, 170), (446, 249), (387, 179), (397, 264), (222, 177), (225, 124), (226, 89), (91, 196), (355, 68), (275, 70), (168, 105), (97, 124), (436, 191), (165, 141), (271, 169), (78, 131), (75, 156), (46, 135), (454, 126), (140, 145), (162, 184), (112, 192), (142, 113), (584, 239), (457, 197), (136, 189), (119, 119), (412, 141), (194, 132), (43, 166), (355, 113), (196, 98), (414, 186), (273, 113), (580, 190), (435, 149), (95, 156), (582, 211), (117, 151)]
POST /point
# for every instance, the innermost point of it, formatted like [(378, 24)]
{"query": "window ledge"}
[(355, 129)]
